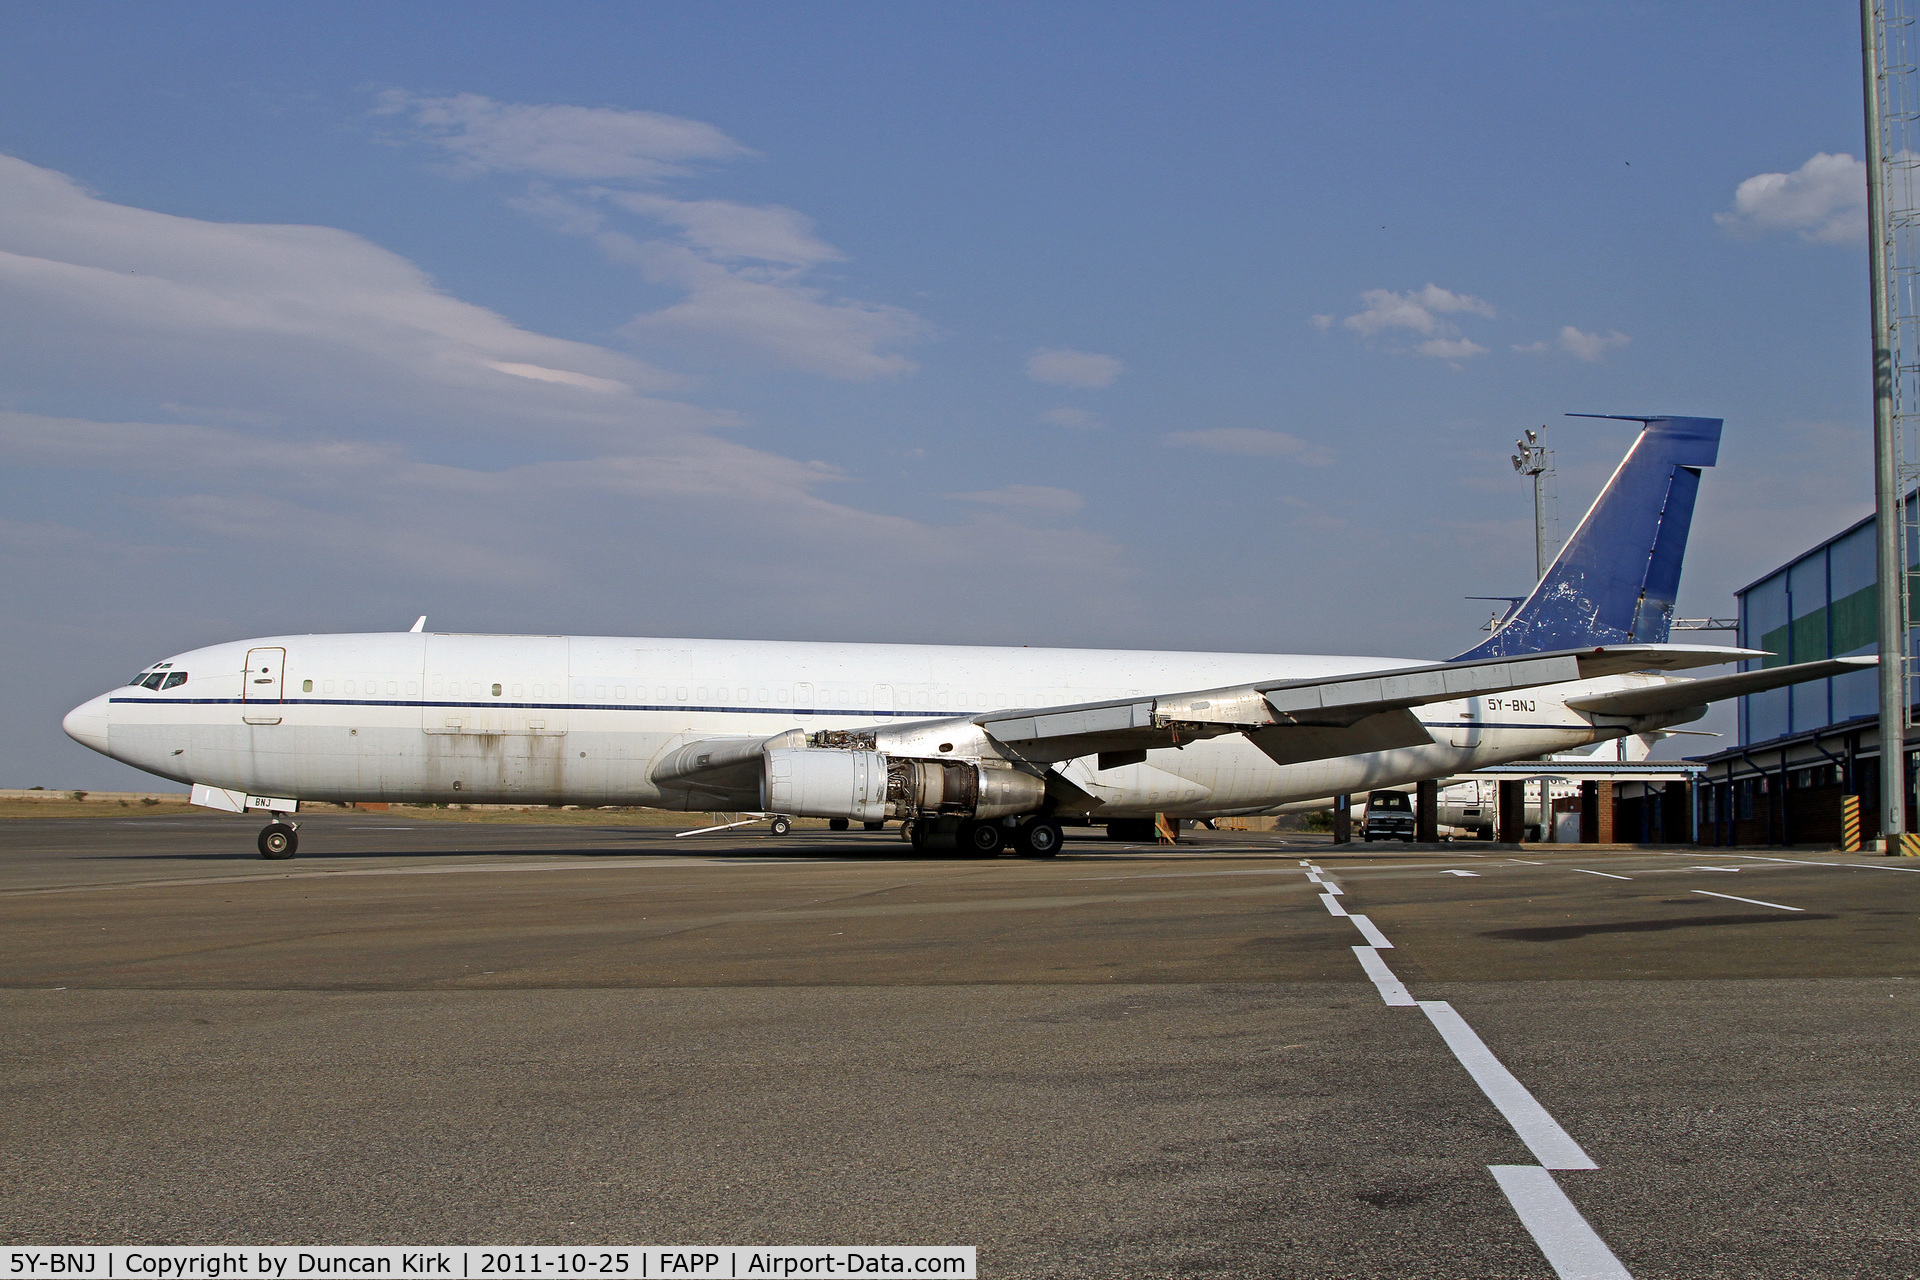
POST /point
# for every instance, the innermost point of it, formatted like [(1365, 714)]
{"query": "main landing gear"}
[(279, 840), (1035, 838)]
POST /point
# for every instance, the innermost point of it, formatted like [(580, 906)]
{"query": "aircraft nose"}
[(86, 724)]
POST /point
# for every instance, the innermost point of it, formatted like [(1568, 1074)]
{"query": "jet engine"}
[(869, 786)]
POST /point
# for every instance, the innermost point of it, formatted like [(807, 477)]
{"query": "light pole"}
[(1534, 460)]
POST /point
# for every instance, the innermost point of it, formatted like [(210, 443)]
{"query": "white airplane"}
[(972, 746)]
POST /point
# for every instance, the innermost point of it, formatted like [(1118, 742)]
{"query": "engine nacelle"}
[(814, 783)]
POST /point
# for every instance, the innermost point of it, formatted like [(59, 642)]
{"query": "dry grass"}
[(65, 807)]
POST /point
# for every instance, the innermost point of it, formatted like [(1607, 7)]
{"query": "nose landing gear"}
[(279, 840)]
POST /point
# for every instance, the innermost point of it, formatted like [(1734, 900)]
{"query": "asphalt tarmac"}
[(1123, 1061)]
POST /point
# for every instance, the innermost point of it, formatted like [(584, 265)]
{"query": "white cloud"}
[(1035, 498), (1590, 347), (1531, 348), (1824, 200), (744, 268), (553, 141), (373, 426), (1063, 367), (1450, 348), (1077, 419), (1419, 311), (768, 233), (732, 312), (1415, 310), (1250, 442)]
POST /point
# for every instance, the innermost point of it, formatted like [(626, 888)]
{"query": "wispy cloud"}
[(558, 141), (1251, 442), (746, 269), (1591, 347), (1824, 201), (1418, 311), (1075, 419), (1063, 367)]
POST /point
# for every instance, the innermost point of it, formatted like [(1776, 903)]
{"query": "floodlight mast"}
[(1879, 80), (1533, 460)]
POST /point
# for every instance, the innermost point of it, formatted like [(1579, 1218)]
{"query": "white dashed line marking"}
[(1572, 1248), (1332, 905), (1777, 906), (1459, 873), (1541, 1132), (1392, 990), (1370, 932), (1608, 874), (1713, 868)]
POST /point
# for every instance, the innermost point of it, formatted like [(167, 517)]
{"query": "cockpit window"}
[(137, 680), (175, 678), (153, 681)]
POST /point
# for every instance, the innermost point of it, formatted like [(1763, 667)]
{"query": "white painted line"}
[(1333, 888), (1333, 906), (1713, 869), (1572, 1248), (1755, 901), (1798, 862), (1371, 932), (1531, 864), (1608, 874), (1541, 1132), (1391, 988), (1459, 873)]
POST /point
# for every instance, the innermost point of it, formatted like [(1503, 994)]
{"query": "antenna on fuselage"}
[(419, 624)]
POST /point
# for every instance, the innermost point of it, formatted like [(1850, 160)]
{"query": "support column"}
[(1342, 819), (1512, 813), (1602, 809), (1426, 813)]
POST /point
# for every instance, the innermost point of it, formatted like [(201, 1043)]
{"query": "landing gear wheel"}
[(781, 825), (1039, 839), (907, 830), (278, 840), (836, 824), (981, 839), (873, 826)]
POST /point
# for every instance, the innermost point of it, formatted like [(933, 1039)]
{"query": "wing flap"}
[(1679, 695), (1382, 731)]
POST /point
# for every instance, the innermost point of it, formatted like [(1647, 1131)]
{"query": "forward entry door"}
[(260, 688)]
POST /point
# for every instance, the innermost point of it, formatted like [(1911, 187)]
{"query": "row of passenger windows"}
[(159, 680)]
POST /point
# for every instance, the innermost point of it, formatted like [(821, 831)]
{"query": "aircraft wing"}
[(1692, 693), (1296, 720)]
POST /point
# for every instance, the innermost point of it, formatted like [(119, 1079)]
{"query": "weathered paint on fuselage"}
[(581, 719)]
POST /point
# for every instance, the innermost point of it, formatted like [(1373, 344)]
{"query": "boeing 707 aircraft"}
[(975, 747)]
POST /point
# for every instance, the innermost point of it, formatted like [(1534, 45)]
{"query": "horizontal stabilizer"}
[(1677, 695)]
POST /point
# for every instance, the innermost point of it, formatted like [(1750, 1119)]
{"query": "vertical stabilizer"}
[(1616, 579)]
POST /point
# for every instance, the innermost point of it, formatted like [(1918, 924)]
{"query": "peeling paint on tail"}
[(1616, 579)]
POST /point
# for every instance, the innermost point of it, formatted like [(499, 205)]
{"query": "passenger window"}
[(153, 681), (174, 679), (306, 686), (496, 691)]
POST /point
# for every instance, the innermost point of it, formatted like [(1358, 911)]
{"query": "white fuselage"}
[(583, 719)]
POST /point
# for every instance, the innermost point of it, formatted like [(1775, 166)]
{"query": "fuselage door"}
[(260, 689)]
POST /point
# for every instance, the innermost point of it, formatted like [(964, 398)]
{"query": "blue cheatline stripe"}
[(929, 713), (918, 713)]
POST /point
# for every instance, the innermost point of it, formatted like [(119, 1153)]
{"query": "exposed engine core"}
[(868, 786), (916, 787)]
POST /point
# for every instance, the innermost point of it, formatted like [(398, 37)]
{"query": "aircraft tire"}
[(836, 824), (278, 841), (1039, 839), (873, 826), (781, 825), (981, 840)]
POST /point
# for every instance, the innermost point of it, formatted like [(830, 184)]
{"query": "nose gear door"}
[(260, 687)]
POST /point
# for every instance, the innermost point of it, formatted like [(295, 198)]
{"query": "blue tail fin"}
[(1615, 580)]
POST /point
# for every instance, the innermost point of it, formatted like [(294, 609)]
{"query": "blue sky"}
[(1120, 325)]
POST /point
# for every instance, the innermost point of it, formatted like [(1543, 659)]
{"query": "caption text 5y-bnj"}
[(473, 1262)]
